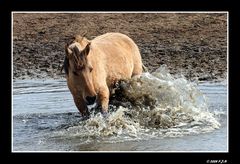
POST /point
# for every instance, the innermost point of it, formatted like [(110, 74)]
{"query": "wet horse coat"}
[(92, 67)]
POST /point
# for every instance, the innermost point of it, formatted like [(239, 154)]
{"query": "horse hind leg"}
[(137, 71)]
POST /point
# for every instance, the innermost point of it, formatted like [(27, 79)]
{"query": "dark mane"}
[(76, 50), (66, 60), (66, 65)]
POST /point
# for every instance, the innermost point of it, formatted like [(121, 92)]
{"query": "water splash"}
[(158, 105)]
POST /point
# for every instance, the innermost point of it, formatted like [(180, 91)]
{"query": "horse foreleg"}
[(81, 105), (104, 98)]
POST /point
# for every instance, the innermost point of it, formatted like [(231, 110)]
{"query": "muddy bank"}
[(194, 45)]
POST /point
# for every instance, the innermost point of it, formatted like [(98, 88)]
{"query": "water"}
[(158, 112)]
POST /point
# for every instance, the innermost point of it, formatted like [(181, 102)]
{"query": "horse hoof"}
[(85, 116)]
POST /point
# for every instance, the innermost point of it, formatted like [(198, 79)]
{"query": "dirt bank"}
[(194, 45)]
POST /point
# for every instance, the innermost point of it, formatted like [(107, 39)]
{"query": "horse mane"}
[(76, 38), (65, 65)]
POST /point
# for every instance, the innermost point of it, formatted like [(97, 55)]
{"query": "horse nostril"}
[(90, 100)]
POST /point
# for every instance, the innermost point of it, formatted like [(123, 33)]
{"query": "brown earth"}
[(192, 44)]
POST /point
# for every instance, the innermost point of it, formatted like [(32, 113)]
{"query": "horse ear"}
[(68, 51), (86, 49), (78, 38)]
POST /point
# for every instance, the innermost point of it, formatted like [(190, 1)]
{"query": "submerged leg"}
[(81, 105)]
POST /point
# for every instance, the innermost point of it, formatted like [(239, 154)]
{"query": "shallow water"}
[(176, 115)]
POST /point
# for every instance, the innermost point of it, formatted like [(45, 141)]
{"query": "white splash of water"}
[(162, 106)]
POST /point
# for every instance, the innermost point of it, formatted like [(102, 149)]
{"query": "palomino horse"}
[(92, 67)]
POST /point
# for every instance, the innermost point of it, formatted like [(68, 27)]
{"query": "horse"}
[(93, 67)]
